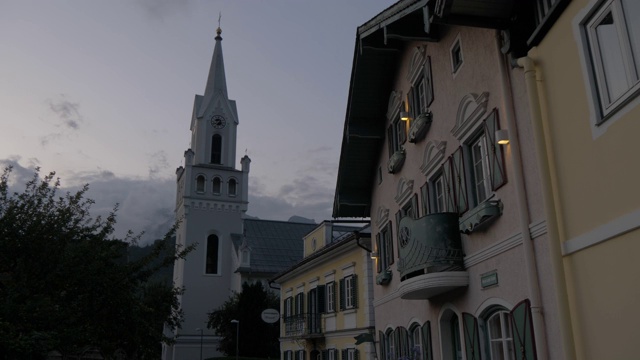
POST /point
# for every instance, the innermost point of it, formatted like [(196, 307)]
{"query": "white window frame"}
[(349, 291), (607, 102), (506, 341), (479, 169), (351, 354), (330, 293), (455, 67)]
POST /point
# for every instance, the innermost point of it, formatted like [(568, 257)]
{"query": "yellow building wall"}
[(596, 177), (338, 264)]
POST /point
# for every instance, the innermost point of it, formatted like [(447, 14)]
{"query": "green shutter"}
[(523, 338), (325, 354), (355, 290), (389, 249), (320, 296), (344, 354), (449, 196), (471, 336), (459, 182), (428, 82), (391, 139), (382, 344), (404, 341), (427, 350), (414, 206), (398, 218), (424, 192), (496, 158), (335, 354), (379, 250), (356, 354), (342, 293)]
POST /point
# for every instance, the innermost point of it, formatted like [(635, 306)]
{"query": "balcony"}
[(305, 326), (431, 257)]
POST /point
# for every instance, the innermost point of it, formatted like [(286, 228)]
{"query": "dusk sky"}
[(102, 92)]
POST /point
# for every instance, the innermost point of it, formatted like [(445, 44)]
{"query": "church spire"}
[(216, 82)]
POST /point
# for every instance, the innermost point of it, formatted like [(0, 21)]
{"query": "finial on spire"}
[(219, 30)]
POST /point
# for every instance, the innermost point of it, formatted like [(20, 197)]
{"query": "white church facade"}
[(211, 202)]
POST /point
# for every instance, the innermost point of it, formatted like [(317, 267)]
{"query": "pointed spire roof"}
[(216, 82)]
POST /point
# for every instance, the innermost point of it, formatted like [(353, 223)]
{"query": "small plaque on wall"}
[(489, 279)]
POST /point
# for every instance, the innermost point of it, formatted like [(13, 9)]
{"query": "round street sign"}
[(270, 316)]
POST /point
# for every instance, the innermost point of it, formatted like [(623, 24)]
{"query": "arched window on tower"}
[(200, 183), (216, 149), (233, 187), (217, 184), (212, 254)]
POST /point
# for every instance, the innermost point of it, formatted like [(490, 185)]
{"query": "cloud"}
[(67, 119), (159, 9)]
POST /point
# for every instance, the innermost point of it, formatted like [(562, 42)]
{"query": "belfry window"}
[(216, 149), (233, 187), (200, 183), (216, 184)]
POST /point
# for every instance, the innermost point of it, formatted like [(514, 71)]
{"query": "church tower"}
[(212, 196)]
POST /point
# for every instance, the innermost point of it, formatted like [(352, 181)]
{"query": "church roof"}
[(217, 81), (275, 245)]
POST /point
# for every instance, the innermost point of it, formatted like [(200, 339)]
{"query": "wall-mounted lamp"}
[(502, 136), (404, 116), (374, 254)]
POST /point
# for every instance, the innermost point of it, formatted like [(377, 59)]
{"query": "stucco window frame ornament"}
[(433, 157), (393, 106), (382, 216), (404, 190), (471, 111)]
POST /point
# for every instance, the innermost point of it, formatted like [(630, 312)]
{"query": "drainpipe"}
[(547, 174), (539, 329)]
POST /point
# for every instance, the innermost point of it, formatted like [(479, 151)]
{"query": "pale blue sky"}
[(102, 92)]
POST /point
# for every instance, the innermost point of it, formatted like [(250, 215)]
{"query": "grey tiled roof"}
[(275, 245)]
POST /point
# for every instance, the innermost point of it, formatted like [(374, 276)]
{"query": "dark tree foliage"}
[(66, 285), (257, 338)]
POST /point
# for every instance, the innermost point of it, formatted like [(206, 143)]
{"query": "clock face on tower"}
[(218, 122)]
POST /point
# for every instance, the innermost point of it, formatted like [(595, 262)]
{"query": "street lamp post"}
[(198, 329), (237, 335)]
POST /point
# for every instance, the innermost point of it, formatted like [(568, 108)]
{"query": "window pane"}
[(631, 9), (608, 39)]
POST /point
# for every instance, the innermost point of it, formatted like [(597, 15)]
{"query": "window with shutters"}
[(390, 344), (315, 304), (349, 292), (288, 315), (421, 93), (350, 354), (612, 50), (450, 335), (473, 172), (331, 297), (330, 354), (415, 342), (396, 135), (384, 244), (301, 355), (409, 209), (288, 355)]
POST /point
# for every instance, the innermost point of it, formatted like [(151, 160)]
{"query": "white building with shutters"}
[(438, 152)]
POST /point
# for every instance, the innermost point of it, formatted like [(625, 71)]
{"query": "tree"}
[(257, 338), (67, 285)]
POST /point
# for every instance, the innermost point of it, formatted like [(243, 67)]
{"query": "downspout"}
[(539, 328), (547, 170)]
